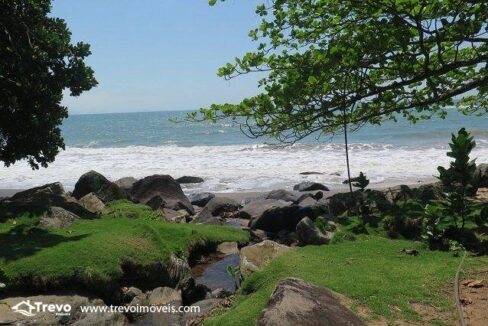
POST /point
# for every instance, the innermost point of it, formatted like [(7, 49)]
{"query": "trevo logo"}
[(29, 309)]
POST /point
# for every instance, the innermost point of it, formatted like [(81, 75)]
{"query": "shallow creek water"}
[(212, 271)]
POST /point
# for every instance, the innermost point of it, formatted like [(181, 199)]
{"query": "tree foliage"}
[(37, 62), (461, 179), (326, 62)]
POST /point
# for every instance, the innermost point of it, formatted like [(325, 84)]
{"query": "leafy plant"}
[(482, 218), (361, 181), (460, 180), (432, 231), (235, 273)]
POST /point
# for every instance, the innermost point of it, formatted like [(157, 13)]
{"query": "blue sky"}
[(159, 55)]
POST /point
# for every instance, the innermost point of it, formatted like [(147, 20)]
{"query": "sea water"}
[(142, 144)]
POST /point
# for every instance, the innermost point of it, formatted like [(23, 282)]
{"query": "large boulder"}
[(342, 202), (294, 302), (92, 203), (399, 193), (310, 186), (255, 257), (205, 216), (483, 171), (189, 179), (161, 191), (126, 183), (40, 200), (284, 195), (93, 181), (428, 192), (8, 315), (309, 234), (58, 217), (219, 205), (200, 199), (276, 219), (256, 208)]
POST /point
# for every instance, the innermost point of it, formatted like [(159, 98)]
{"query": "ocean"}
[(142, 144)]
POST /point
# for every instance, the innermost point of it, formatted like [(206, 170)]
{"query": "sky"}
[(160, 55)]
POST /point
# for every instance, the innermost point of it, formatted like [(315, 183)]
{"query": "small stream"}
[(212, 272)]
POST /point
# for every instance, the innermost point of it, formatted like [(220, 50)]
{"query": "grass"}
[(371, 271), (92, 251)]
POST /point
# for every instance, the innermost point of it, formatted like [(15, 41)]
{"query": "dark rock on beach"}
[(219, 205), (399, 193), (294, 302), (201, 199), (189, 179), (483, 171), (162, 191), (310, 186), (256, 208), (95, 182), (282, 194)]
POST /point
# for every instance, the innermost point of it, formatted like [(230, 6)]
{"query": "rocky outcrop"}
[(482, 169), (256, 208), (342, 202), (309, 234), (93, 204), (310, 186), (189, 179), (201, 199), (161, 191), (74, 317), (255, 257), (294, 302), (104, 189), (40, 200)]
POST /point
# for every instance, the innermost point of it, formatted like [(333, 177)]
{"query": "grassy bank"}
[(370, 271), (92, 252)]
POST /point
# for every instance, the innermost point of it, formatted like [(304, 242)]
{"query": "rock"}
[(311, 173), (201, 199), (93, 181), (220, 293), (92, 203), (285, 218), (255, 257), (309, 234), (58, 217), (284, 195), (126, 183), (163, 295), (206, 217), (131, 292), (197, 318), (341, 202), (427, 192), (40, 200), (308, 201), (180, 216), (310, 186), (228, 248), (219, 205), (189, 179), (398, 193), (294, 302), (164, 187), (74, 317), (192, 292), (482, 169), (256, 208)]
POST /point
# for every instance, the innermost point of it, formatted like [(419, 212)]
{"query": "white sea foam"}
[(239, 167)]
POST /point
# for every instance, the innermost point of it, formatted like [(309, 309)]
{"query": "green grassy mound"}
[(371, 271), (90, 254)]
